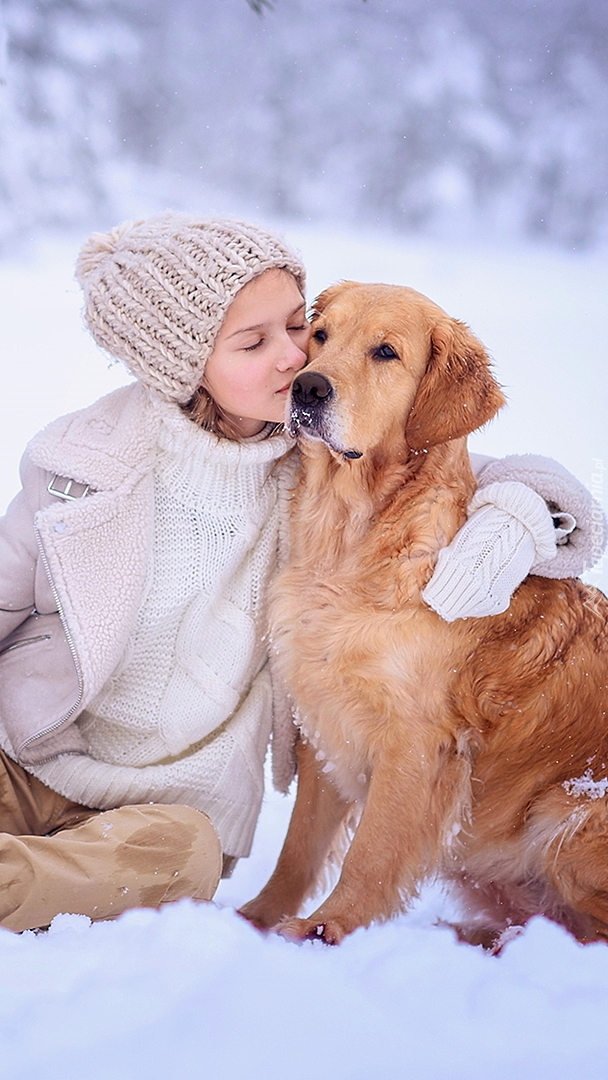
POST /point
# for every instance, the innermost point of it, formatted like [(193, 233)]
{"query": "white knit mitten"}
[(585, 527), (508, 531)]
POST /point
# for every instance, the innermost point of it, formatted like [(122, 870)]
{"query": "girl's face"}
[(258, 351)]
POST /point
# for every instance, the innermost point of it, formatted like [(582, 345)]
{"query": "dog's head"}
[(385, 364)]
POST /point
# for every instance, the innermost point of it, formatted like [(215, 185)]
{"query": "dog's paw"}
[(260, 915), (253, 920), (328, 931), (491, 939), (505, 938)]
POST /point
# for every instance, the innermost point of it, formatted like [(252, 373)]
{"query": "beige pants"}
[(57, 856)]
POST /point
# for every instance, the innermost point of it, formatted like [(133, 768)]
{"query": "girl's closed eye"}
[(299, 329)]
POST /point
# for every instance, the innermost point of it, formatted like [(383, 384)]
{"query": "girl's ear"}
[(457, 393)]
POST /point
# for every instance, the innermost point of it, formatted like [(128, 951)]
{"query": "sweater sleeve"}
[(581, 525), (508, 530)]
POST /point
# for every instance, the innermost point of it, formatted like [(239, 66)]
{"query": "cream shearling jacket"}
[(72, 573)]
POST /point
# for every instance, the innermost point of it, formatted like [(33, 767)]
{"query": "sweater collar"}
[(177, 434)]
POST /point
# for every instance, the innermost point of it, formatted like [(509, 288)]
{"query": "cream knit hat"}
[(156, 292)]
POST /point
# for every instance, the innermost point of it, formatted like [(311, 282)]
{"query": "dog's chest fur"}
[(352, 635)]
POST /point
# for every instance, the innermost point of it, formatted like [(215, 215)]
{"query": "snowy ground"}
[(193, 991)]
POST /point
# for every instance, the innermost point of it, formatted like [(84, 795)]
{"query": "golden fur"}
[(455, 743)]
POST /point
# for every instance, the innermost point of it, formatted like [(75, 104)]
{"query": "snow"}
[(193, 991), (586, 785)]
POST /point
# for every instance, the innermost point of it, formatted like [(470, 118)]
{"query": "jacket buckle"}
[(65, 488)]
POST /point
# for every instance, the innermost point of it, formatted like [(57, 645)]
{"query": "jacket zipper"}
[(25, 641), (58, 723)]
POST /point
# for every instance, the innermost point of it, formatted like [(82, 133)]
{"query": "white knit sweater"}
[(187, 715)]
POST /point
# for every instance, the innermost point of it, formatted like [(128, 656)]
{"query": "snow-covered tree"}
[(61, 99)]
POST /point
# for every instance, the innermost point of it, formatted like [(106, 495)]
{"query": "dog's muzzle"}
[(311, 396)]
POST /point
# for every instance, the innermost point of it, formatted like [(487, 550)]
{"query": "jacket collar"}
[(113, 443), (109, 445)]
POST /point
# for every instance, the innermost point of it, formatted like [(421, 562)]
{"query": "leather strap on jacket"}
[(65, 488)]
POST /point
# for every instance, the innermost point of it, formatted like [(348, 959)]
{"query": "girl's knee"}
[(172, 852)]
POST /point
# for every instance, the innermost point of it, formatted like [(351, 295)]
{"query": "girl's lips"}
[(284, 389)]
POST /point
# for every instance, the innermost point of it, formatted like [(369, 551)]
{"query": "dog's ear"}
[(325, 298), (457, 393)]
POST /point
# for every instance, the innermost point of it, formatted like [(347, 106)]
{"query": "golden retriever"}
[(457, 745)]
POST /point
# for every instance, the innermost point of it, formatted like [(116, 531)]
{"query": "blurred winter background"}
[(458, 146), (443, 118)]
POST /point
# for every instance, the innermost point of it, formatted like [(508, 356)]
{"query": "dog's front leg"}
[(396, 844), (317, 815)]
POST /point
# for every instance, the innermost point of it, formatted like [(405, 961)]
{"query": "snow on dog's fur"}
[(454, 742)]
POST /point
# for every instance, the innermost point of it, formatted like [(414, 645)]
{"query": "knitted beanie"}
[(156, 291)]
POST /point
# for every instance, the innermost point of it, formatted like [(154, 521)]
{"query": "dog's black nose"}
[(311, 388)]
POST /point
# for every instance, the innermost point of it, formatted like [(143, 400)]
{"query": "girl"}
[(136, 697)]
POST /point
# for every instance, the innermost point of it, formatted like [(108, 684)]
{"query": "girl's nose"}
[(292, 356)]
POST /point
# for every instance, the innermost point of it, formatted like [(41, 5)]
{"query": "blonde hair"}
[(204, 411)]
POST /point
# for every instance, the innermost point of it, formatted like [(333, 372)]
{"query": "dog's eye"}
[(384, 352), (320, 336)]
